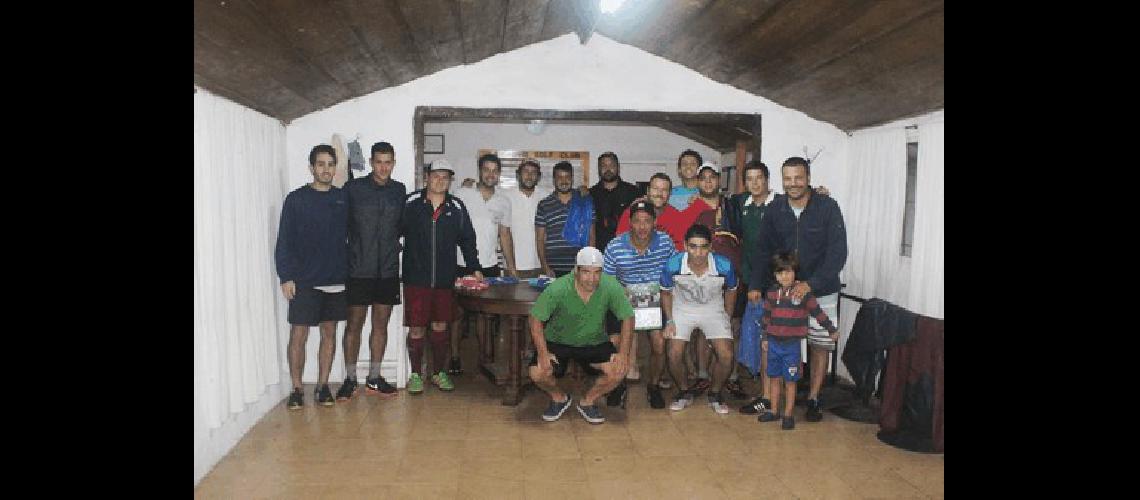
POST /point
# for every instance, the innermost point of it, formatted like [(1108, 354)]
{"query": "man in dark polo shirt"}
[(374, 206), (572, 308)]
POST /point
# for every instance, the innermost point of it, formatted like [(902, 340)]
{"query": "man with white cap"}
[(573, 309), (433, 223)]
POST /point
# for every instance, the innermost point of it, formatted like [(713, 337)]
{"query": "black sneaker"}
[(555, 409), (758, 405), (735, 390), (814, 413), (296, 400), (347, 390), (379, 386), (616, 397), (324, 396), (789, 423), (656, 400), (454, 368)]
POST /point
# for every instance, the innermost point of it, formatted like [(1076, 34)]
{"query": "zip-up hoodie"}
[(819, 238), (429, 241)]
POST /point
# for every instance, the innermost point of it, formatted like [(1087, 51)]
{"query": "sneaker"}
[(443, 381), (616, 397), (656, 400), (681, 400), (296, 400), (758, 405), (324, 396), (700, 385), (814, 412), (735, 390), (415, 384), (347, 390), (591, 413), (382, 388), (789, 423), (454, 367), (716, 402), (768, 417), (555, 410)]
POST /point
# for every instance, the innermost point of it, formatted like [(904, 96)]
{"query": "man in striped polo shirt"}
[(637, 257), (554, 252)]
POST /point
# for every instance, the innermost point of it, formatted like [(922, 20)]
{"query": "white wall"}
[(635, 145), (240, 370)]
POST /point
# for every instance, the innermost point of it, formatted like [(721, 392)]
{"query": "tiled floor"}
[(464, 444)]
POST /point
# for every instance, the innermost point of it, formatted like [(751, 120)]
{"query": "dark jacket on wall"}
[(818, 236), (878, 326), (429, 242)]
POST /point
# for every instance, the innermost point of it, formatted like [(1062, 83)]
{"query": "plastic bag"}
[(579, 220), (748, 350)]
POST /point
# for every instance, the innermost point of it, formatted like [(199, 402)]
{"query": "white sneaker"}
[(681, 400), (717, 404)]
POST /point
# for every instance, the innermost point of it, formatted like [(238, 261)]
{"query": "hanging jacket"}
[(878, 326)]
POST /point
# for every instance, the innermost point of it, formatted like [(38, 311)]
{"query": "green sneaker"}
[(415, 384), (442, 381)]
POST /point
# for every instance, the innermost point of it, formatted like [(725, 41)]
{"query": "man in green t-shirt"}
[(567, 324)]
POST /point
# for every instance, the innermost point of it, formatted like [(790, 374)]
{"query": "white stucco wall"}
[(559, 74)]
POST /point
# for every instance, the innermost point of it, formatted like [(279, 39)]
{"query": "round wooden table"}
[(512, 302)]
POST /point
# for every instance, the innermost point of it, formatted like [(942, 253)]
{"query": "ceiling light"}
[(610, 6)]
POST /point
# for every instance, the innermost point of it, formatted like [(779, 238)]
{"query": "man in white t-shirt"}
[(523, 205), (490, 213)]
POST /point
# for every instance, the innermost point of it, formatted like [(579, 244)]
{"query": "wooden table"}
[(512, 303)]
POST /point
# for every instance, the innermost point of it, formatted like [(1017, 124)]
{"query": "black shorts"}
[(310, 307), (488, 272), (367, 291), (583, 355)]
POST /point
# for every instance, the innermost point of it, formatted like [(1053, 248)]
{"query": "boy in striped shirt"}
[(785, 323)]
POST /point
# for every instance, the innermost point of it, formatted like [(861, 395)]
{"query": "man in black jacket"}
[(810, 225), (375, 203), (432, 224)]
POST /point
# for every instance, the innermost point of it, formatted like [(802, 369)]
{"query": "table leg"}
[(488, 341), (512, 395), (481, 335)]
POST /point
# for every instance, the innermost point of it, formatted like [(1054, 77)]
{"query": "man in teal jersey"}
[(567, 324)]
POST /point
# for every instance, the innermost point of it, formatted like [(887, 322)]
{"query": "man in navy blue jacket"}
[(433, 223), (811, 225), (312, 262)]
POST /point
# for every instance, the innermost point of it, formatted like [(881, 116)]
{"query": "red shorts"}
[(423, 305)]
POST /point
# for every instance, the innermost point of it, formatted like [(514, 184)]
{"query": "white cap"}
[(441, 164), (589, 256)]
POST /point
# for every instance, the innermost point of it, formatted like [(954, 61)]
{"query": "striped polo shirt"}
[(786, 319), (629, 267), (552, 214)]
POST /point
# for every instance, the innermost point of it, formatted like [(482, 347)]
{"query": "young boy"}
[(785, 324)]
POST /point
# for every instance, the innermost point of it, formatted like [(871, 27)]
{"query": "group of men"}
[(338, 254)]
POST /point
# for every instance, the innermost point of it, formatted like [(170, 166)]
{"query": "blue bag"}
[(579, 220), (748, 350)]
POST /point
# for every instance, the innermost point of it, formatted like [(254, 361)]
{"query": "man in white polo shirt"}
[(491, 217), (523, 205)]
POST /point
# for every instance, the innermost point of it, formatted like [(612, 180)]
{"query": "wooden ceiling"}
[(852, 63)]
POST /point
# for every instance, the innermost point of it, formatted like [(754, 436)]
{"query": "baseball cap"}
[(589, 256), (441, 164), (708, 166), (641, 206)]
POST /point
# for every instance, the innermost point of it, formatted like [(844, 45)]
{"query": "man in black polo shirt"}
[(611, 197), (375, 203)]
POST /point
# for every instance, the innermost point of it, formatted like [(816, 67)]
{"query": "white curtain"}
[(874, 215), (927, 279), (238, 157)]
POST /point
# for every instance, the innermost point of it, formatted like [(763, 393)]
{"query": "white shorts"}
[(817, 335), (714, 324)]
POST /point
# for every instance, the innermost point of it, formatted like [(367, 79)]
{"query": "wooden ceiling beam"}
[(524, 23), (434, 25), (481, 23)]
